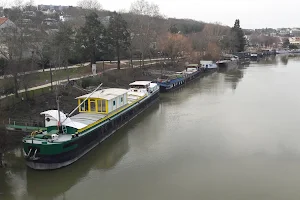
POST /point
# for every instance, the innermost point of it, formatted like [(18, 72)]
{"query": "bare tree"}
[(90, 4), (260, 40), (175, 45), (209, 40), (17, 47), (143, 25), (12, 49)]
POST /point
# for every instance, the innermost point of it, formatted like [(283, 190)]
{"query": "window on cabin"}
[(114, 103), (84, 106), (102, 106), (93, 105), (99, 105), (121, 99), (81, 108)]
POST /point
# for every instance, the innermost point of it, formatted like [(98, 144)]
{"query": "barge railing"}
[(23, 125)]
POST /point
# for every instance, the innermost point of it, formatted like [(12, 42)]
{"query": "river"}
[(232, 135)]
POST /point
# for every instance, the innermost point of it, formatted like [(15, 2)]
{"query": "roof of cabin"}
[(106, 94), (3, 20), (54, 114), (206, 62), (192, 65), (140, 83)]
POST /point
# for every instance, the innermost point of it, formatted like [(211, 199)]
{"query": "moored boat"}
[(209, 65), (228, 62), (67, 138), (178, 79)]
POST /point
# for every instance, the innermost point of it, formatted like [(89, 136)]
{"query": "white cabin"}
[(103, 101), (208, 64), (144, 87)]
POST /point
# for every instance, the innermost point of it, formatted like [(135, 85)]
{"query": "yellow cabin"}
[(104, 101)]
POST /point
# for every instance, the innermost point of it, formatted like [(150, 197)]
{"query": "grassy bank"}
[(43, 99), (41, 78)]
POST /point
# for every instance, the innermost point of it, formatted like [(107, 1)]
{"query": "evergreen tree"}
[(286, 43), (118, 35), (239, 36), (62, 45), (90, 39), (173, 29)]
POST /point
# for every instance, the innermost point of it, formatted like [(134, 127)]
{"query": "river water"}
[(232, 135)]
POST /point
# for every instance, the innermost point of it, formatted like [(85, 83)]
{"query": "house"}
[(295, 32), (29, 14), (49, 12), (65, 18), (5, 22), (294, 40), (50, 22)]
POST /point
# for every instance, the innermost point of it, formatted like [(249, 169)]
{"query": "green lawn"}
[(44, 77)]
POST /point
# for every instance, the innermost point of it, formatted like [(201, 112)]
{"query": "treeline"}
[(36, 41)]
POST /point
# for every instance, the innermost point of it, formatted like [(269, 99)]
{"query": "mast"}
[(58, 110), (57, 95)]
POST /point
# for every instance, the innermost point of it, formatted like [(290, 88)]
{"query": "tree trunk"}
[(118, 56), (16, 85), (143, 60), (51, 79), (131, 62), (140, 60), (1, 160), (26, 91), (93, 58)]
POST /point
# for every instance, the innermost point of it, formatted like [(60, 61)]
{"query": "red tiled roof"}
[(3, 20)]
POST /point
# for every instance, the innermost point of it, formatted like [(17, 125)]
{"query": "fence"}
[(22, 125)]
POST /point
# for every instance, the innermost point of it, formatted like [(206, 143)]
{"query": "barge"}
[(228, 62), (101, 113), (178, 79), (209, 65)]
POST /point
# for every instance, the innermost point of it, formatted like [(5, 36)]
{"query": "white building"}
[(65, 18), (295, 32), (5, 22), (294, 40)]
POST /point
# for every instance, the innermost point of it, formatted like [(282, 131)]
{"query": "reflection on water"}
[(50, 184), (103, 158), (230, 135)]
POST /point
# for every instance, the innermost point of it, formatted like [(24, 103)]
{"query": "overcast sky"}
[(252, 13)]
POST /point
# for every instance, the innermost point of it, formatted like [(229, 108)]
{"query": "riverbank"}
[(31, 108)]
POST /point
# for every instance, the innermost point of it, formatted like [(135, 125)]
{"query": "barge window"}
[(114, 103), (121, 99), (85, 106), (102, 106), (93, 105)]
